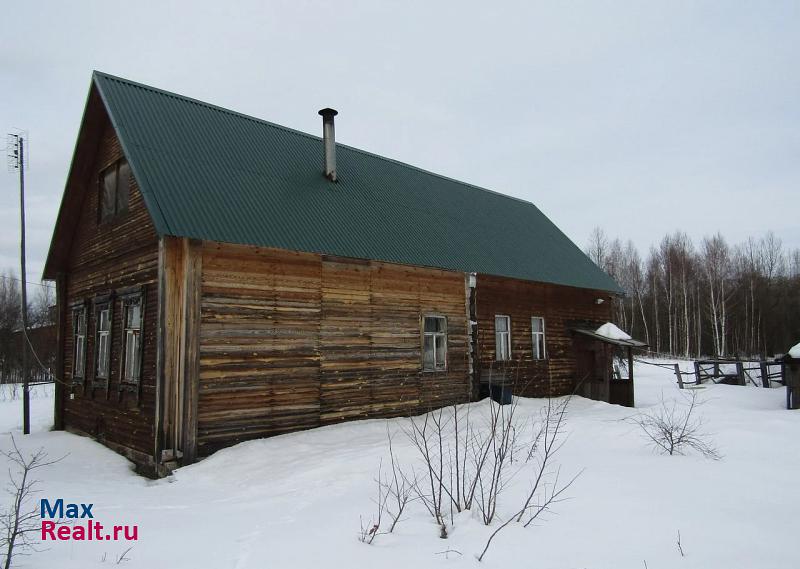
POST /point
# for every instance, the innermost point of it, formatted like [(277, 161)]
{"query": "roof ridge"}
[(202, 103), (304, 134)]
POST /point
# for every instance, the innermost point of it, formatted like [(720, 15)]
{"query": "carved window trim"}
[(103, 304), (130, 376), (79, 342)]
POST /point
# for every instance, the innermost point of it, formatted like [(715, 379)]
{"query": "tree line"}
[(705, 299), (41, 321)]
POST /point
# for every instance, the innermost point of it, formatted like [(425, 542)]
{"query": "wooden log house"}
[(221, 278)]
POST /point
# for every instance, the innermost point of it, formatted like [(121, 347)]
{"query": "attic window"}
[(115, 190)]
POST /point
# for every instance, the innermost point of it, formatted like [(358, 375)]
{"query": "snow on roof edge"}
[(609, 330)]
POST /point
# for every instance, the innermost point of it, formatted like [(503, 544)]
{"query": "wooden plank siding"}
[(561, 307), (293, 340), (103, 259)]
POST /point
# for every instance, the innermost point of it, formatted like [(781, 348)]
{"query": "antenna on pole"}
[(16, 145)]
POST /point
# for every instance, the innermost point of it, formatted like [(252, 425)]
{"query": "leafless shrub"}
[(447, 553), (673, 428), (19, 523), (119, 559), (427, 437), (547, 488), (398, 488), (680, 545), (497, 452), (395, 491), (369, 531), (467, 463)]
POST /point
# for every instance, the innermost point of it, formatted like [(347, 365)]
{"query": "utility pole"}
[(17, 160)]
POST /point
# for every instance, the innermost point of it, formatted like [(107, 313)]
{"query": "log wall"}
[(294, 340), (561, 307), (103, 259)]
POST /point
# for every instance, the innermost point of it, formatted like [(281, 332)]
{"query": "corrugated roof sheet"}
[(210, 173)]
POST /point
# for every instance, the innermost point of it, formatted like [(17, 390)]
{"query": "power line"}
[(26, 282)]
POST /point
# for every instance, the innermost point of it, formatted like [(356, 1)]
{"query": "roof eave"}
[(51, 265)]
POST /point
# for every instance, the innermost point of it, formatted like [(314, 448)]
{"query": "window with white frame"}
[(434, 343), (537, 331), (79, 344), (502, 337), (132, 337), (103, 341)]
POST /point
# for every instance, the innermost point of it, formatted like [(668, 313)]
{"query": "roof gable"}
[(77, 218), (210, 173)]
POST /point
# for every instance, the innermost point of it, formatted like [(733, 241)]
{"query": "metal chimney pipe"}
[(329, 141)]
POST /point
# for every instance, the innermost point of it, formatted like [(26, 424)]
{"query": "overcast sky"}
[(639, 117)]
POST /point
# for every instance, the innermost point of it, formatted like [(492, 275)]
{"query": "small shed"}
[(596, 378), (791, 371)]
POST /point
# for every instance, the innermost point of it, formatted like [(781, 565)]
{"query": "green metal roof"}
[(209, 173)]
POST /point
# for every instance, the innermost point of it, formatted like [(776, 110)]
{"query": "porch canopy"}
[(629, 343), (602, 388)]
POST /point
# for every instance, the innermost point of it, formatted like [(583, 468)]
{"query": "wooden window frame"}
[(101, 304), (433, 336), (535, 344), (498, 338), (130, 297), (118, 210), (79, 310)]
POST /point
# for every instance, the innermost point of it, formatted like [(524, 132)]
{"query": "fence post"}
[(678, 375), (740, 373), (764, 373), (698, 381)]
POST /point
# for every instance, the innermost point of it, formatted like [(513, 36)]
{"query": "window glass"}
[(434, 343), (79, 348), (123, 187), (134, 315), (133, 340), (537, 332), (428, 353), (115, 189), (502, 327), (103, 342), (441, 350), (108, 191)]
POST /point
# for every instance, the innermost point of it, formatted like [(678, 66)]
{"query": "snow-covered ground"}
[(295, 500)]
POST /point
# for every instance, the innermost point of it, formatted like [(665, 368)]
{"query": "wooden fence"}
[(34, 376), (733, 372)]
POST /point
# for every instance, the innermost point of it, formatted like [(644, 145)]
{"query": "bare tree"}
[(597, 249), (717, 267), (9, 323), (19, 524), (715, 299), (675, 429), (41, 309)]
